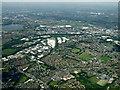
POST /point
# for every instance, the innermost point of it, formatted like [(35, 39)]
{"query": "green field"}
[(23, 79), (90, 75), (44, 66), (85, 56), (52, 83), (93, 80), (105, 58), (7, 52), (75, 50), (88, 82), (102, 82)]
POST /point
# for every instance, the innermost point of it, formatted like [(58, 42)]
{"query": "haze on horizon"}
[(60, 0)]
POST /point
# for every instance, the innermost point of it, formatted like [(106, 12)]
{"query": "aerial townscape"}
[(60, 45)]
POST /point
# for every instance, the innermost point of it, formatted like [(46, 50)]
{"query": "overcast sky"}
[(60, 0)]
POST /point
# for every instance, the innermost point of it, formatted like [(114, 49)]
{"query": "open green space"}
[(23, 79), (105, 58), (7, 52), (70, 40), (72, 72), (75, 50), (88, 82), (102, 82), (93, 80), (44, 66), (90, 75), (52, 83), (113, 87), (85, 56)]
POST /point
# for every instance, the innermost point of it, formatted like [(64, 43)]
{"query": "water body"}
[(11, 27)]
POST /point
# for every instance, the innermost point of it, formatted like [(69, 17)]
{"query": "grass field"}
[(8, 52), (52, 83), (90, 75), (23, 79), (105, 58), (85, 56), (75, 50), (102, 82), (44, 66), (88, 82), (93, 80)]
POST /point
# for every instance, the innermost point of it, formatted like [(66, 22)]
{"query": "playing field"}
[(8, 51), (105, 58), (102, 82), (85, 56), (75, 50), (52, 83), (23, 79), (93, 80)]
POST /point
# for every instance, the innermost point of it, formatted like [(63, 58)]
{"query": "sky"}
[(60, 0)]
